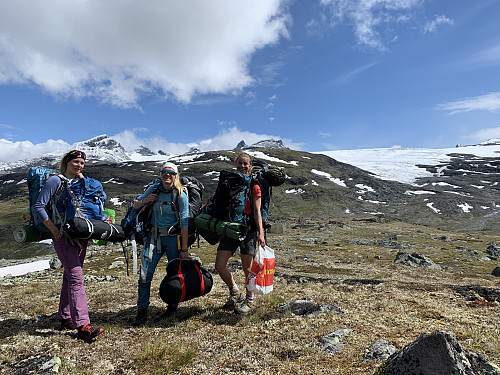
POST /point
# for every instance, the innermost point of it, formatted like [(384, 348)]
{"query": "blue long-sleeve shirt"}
[(164, 213)]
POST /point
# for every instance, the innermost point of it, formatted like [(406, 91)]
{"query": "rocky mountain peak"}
[(144, 151), (267, 143)]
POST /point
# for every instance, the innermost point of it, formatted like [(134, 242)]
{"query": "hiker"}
[(159, 240), (248, 246), (73, 310)]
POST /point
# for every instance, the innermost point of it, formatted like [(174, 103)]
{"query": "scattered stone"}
[(300, 279), (116, 264), (444, 238), (362, 281), (437, 353), (277, 228), (307, 308), (331, 343), (55, 263), (415, 260), (496, 271), (40, 365), (100, 278), (474, 292), (380, 351), (493, 250)]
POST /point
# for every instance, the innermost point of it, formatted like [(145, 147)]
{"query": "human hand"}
[(184, 254)]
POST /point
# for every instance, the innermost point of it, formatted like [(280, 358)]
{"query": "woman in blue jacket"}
[(73, 307), (159, 240)]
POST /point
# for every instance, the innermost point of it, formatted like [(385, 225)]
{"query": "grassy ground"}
[(202, 338)]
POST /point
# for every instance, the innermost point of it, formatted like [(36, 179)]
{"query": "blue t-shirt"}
[(163, 208)]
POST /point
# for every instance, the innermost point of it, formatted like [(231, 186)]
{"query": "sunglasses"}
[(75, 154), (78, 154), (168, 171)]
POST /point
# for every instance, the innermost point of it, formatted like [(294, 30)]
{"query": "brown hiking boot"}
[(235, 296), (65, 324), (244, 307)]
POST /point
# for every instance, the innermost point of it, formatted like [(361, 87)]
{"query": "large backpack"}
[(138, 222), (267, 176), (86, 197), (233, 190), (36, 178)]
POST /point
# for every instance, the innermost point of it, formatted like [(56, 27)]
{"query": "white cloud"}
[(431, 26), (325, 134), (487, 57), (350, 76), (489, 102), (367, 17), (118, 50), (484, 134), (13, 151), (131, 139)]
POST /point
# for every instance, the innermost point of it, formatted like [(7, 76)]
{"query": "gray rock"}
[(331, 342), (55, 263), (438, 353), (277, 228), (496, 271), (116, 264), (307, 308), (493, 250), (297, 307), (40, 364), (380, 351), (415, 260)]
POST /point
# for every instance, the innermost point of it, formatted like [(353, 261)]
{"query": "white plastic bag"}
[(260, 278)]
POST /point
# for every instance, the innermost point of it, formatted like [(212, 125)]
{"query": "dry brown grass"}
[(202, 338)]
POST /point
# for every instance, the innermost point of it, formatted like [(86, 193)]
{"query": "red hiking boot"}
[(87, 333)]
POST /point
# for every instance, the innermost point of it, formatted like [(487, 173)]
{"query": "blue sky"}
[(318, 74)]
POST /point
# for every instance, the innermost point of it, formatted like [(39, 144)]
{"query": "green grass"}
[(163, 358)]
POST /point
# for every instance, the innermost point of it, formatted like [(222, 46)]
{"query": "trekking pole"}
[(125, 254)]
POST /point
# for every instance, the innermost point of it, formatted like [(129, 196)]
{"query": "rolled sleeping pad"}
[(222, 228), (28, 233), (93, 229)]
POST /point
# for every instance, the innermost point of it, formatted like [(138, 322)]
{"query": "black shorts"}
[(247, 246)]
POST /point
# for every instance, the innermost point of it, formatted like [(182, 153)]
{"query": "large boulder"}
[(415, 260), (437, 353)]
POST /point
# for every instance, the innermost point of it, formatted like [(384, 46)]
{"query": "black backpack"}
[(267, 176)]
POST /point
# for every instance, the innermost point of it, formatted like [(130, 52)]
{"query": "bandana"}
[(170, 165), (75, 154)]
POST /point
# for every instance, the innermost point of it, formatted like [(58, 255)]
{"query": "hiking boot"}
[(140, 319), (171, 310), (65, 324), (87, 333), (235, 297), (244, 307)]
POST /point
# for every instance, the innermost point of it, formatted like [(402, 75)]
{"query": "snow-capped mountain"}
[(267, 143), (106, 149)]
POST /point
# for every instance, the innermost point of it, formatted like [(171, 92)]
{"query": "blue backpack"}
[(86, 197), (138, 222)]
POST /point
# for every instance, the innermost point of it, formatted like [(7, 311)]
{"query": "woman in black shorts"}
[(254, 238)]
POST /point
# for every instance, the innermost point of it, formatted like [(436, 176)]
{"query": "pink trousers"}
[(73, 301)]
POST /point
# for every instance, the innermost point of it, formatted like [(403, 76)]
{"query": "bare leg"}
[(246, 263), (221, 260)]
